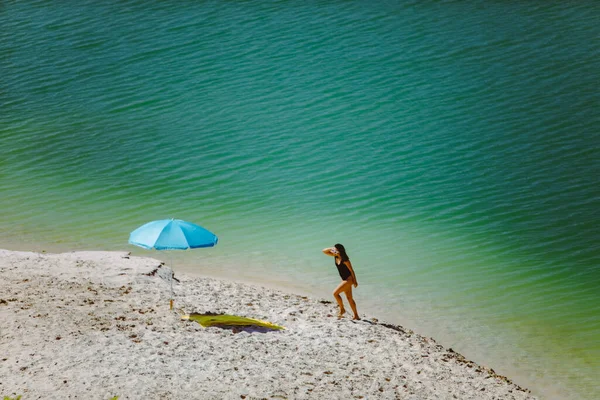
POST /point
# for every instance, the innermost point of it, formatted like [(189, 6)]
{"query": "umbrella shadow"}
[(247, 329)]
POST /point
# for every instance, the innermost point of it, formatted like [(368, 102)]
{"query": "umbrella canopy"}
[(172, 234)]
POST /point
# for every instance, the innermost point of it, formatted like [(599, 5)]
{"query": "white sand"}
[(93, 325)]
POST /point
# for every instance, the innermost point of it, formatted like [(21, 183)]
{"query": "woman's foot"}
[(356, 318), (341, 313)]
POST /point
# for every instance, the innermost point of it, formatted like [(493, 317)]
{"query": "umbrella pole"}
[(172, 275)]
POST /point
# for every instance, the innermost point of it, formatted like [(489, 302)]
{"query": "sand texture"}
[(93, 325)]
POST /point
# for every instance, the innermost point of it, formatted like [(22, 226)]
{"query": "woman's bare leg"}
[(348, 291), (342, 287)]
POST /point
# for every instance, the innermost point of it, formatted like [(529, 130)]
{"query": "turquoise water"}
[(453, 147)]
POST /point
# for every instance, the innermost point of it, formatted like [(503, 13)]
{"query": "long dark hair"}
[(342, 251)]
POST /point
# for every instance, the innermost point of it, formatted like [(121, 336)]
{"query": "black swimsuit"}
[(343, 270)]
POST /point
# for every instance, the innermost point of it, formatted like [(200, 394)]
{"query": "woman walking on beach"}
[(344, 266)]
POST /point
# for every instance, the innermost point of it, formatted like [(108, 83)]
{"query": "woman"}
[(344, 266)]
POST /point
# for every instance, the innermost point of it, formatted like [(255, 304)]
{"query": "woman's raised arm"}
[(331, 251)]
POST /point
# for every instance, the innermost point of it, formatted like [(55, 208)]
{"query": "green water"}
[(453, 147)]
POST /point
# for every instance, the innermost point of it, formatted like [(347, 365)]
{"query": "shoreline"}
[(97, 325)]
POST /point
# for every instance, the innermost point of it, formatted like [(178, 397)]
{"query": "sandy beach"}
[(94, 325)]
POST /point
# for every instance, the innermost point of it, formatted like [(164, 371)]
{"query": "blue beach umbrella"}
[(172, 234)]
